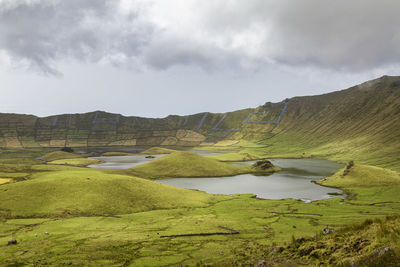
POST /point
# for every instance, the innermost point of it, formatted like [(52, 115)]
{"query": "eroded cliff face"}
[(367, 112)]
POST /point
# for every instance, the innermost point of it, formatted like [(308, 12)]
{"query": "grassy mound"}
[(362, 176), (188, 164), (158, 150), (112, 154), (88, 192), (56, 155), (81, 162)]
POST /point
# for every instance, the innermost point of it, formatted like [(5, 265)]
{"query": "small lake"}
[(126, 162), (294, 181), (122, 162)]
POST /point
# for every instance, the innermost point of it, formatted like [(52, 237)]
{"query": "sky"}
[(153, 58)]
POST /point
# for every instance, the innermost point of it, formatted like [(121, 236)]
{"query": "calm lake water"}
[(294, 181), (122, 162)]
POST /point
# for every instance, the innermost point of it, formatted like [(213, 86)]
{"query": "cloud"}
[(339, 35), (38, 34)]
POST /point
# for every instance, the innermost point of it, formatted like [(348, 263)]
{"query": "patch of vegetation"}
[(371, 243)]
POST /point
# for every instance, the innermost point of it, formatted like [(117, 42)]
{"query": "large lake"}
[(294, 181)]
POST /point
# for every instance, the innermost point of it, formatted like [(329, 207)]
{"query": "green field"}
[(103, 218)]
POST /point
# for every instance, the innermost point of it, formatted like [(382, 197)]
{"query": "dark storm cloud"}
[(347, 35), (40, 33)]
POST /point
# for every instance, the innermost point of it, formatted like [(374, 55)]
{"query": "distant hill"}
[(360, 123)]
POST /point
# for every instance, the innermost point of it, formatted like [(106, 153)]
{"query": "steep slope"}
[(361, 123)]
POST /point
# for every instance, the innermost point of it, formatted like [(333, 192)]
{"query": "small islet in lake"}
[(294, 181)]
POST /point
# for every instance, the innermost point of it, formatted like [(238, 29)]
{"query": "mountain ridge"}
[(360, 122)]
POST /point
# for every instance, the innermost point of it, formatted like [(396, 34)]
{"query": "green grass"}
[(371, 243), (56, 155), (134, 239), (188, 164), (82, 162), (81, 191), (158, 150)]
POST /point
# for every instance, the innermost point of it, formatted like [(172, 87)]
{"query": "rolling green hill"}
[(67, 191)]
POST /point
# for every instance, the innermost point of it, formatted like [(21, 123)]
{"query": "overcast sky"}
[(159, 57)]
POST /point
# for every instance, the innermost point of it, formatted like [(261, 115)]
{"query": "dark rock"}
[(395, 84), (150, 157), (12, 242), (328, 230), (305, 251), (263, 164), (67, 149)]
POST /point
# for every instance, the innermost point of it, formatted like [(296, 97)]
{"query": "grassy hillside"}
[(88, 192), (188, 164), (111, 154), (360, 123)]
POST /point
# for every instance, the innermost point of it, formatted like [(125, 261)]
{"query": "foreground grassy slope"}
[(371, 243), (78, 191), (266, 228), (188, 164)]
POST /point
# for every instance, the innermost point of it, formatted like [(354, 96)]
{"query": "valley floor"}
[(271, 232)]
